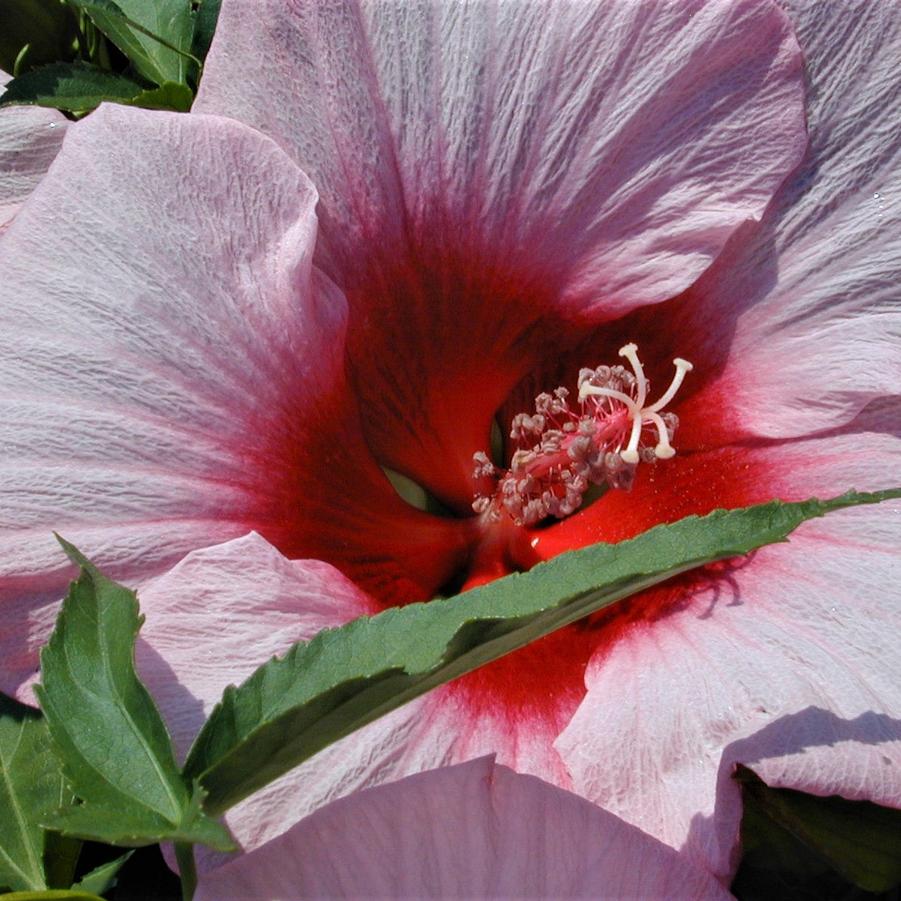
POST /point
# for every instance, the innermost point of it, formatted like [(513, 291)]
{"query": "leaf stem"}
[(187, 869)]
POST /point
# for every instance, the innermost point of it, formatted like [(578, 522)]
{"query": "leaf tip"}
[(72, 552)]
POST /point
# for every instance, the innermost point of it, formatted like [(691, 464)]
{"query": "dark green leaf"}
[(132, 829), (53, 895), (30, 784), (155, 35), (48, 29), (859, 840), (172, 96), (205, 26), (106, 730), (61, 852), (774, 864), (70, 86), (344, 678), (102, 878)]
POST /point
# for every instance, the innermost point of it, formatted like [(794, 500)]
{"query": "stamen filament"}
[(587, 389), (682, 366), (630, 352), (663, 450), (630, 454)]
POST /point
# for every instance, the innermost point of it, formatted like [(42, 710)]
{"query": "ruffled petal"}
[(211, 621), (640, 136), (477, 830), (225, 610), (30, 138), (798, 327), (484, 166), (171, 372), (785, 661)]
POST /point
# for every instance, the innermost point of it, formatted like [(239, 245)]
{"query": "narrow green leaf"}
[(103, 878), (324, 689), (30, 784), (155, 35), (862, 841), (115, 750), (69, 86), (170, 95)]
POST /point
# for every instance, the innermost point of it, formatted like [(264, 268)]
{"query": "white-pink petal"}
[(30, 138), (155, 301), (477, 830), (809, 308), (225, 610), (620, 143)]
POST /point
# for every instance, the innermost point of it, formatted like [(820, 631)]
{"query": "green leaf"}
[(70, 86), (178, 97), (102, 878), (53, 895), (155, 35), (30, 784), (115, 750), (859, 840), (47, 29), (61, 852), (205, 27), (130, 829), (342, 679)]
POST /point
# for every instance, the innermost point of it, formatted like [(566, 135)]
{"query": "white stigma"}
[(641, 415)]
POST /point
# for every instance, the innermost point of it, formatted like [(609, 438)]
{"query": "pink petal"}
[(223, 611), (171, 372), (272, 602), (211, 621), (128, 366), (481, 167), (808, 310), (429, 732), (30, 138), (786, 661), (477, 830), (640, 135)]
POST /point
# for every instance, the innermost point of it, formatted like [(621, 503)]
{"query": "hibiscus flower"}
[(505, 195)]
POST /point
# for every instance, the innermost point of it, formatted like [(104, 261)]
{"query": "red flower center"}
[(426, 405)]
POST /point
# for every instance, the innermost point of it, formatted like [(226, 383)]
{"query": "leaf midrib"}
[(111, 681)]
